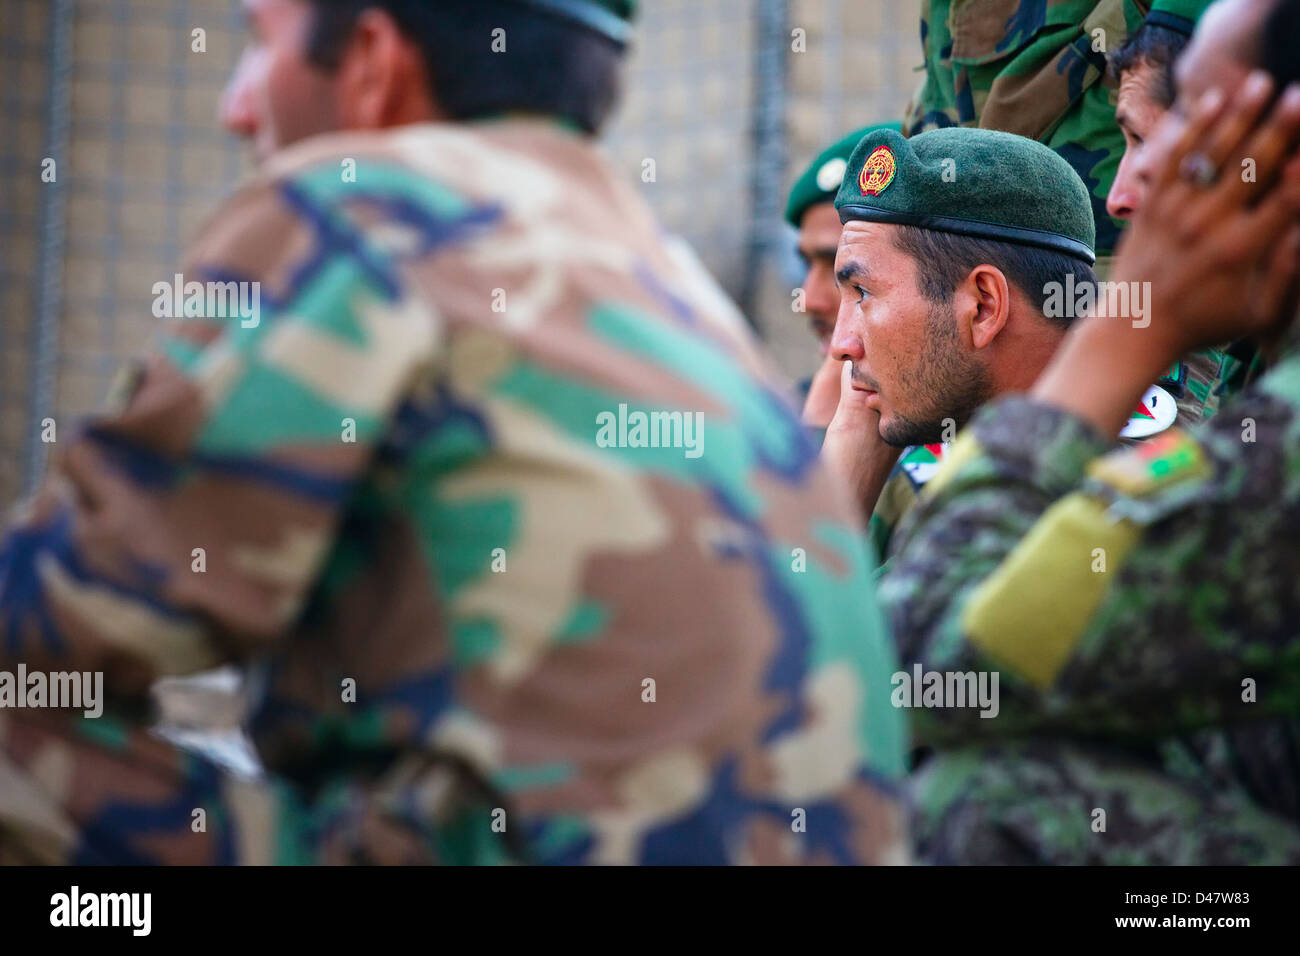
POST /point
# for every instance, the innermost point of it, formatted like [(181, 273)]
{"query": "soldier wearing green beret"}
[(1140, 605), (946, 205), (490, 473), (952, 243), (811, 210)]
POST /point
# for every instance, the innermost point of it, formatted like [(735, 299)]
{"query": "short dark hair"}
[(947, 258), (551, 65), (1154, 46)]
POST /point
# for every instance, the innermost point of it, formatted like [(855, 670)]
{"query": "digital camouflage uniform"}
[(1133, 603), (1192, 385), (1033, 67), (499, 586)]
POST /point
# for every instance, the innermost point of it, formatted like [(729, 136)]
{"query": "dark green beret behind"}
[(1177, 15), (973, 182), (610, 17), (820, 182)]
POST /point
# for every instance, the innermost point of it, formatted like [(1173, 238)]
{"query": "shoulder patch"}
[(1172, 458), (921, 462), (1155, 412)]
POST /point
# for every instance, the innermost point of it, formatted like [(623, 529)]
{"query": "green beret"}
[(613, 18), (1177, 15), (972, 182), (821, 180)]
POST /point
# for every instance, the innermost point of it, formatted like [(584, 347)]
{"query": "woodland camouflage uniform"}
[(495, 584)]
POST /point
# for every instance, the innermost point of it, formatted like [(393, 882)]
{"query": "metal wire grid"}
[(24, 93), (144, 159), (689, 106), (150, 160)]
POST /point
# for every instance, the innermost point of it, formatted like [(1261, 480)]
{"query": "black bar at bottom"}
[(366, 906)]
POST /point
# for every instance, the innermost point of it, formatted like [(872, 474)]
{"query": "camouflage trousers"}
[(1047, 802), (103, 791)]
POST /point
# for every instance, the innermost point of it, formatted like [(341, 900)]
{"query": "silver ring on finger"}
[(1198, 169)]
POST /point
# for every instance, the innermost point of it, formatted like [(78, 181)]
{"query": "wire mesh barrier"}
[(112, 157)]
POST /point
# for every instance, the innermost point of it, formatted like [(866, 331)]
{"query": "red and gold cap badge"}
[(877, 171)]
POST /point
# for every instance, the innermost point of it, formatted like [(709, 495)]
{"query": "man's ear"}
[(382, 77), (983, 303)]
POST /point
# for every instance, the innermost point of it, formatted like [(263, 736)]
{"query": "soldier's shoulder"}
[(436, 180), (442, 168), (521, 163), (434, 149)]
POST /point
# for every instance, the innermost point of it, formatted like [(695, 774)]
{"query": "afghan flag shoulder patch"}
[(921, 462), (1169, 459)]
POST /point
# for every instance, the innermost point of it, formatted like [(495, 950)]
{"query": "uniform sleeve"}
[(1152, 588), (186, 525)]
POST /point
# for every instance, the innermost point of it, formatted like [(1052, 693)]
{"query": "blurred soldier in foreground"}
[(811, 210), (1033, 67), (527, 556), (1131, 600)]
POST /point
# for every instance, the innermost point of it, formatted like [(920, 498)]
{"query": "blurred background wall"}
[(717, 94)]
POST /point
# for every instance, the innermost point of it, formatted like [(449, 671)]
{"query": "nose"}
[(1123, 199), (845, 342), (1121, 203), (238, 108)]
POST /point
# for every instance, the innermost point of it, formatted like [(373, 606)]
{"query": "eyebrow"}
[(849, 271), (821, 252)]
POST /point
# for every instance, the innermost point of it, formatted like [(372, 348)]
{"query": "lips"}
[(871, 395)]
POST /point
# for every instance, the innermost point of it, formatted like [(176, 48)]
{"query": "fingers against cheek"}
[(1278, 205), (1249, 177), (1203, 114), (1267, 149), (1234, 127), (1290, 185), (1250, 236)]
